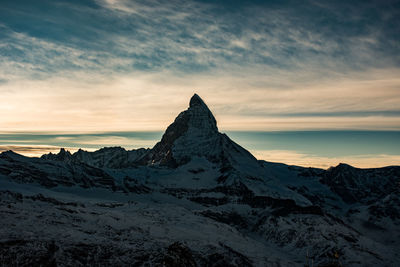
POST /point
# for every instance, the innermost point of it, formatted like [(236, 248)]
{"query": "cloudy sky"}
[(121, 65)]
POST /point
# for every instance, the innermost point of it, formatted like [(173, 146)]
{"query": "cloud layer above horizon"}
[(98, 65)]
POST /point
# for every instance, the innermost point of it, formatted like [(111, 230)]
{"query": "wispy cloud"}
[(189, 36), (129, 65), (137, 102)]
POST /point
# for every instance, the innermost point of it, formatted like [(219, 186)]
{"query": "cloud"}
[(126, 65), (122, 36), (150, 101)]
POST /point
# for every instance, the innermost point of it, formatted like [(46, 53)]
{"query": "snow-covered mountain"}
[(195, 199), (107, 157), (194, 133)]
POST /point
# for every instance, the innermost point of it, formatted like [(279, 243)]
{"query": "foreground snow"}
[(195, 199)]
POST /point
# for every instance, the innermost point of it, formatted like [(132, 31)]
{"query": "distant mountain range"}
[(195, 199)]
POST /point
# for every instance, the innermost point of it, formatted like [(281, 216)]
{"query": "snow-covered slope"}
[(50, 173), (195, 199), (362, 185)]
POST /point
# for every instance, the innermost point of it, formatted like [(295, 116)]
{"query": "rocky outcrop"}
[(62, 170), (107, 157), (194, 133), (195, 199), (362, 185)]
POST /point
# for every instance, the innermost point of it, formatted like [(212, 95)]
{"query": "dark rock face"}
[(63, 155), (229, 257), (178, 255), (201, 116), (231, 218), (49, 253), (361, 185), (134, 186), (26, 173), (28, 253), (194, 133), (388, 207), (282, 207), (108, 157), (210, 201), (51, 173), (162, 151), (197, 119), (195, 199)]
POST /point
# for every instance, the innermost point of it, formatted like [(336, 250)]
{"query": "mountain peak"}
[(196, 101), (63, 155), (199, 116), (10, 154), (193, 129), (194, 133)]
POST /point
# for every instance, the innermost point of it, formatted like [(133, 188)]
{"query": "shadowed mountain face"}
[(195, 199), (108, 157), (193, 133)]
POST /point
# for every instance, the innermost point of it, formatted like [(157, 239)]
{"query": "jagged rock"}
[(195, 199), (59, 171), (63, 155), (362, 185), (107, 157), (194, 133), (178, 255)]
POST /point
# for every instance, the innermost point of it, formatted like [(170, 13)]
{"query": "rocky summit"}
[(195, 199), (194, 133)]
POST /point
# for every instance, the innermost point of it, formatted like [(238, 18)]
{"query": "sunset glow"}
[(102, 65)]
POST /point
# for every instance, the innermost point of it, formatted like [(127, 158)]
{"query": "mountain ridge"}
[(195, 199)]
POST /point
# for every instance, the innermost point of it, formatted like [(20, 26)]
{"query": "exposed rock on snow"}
[(195, 199), (107, 157), (194, 133)]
